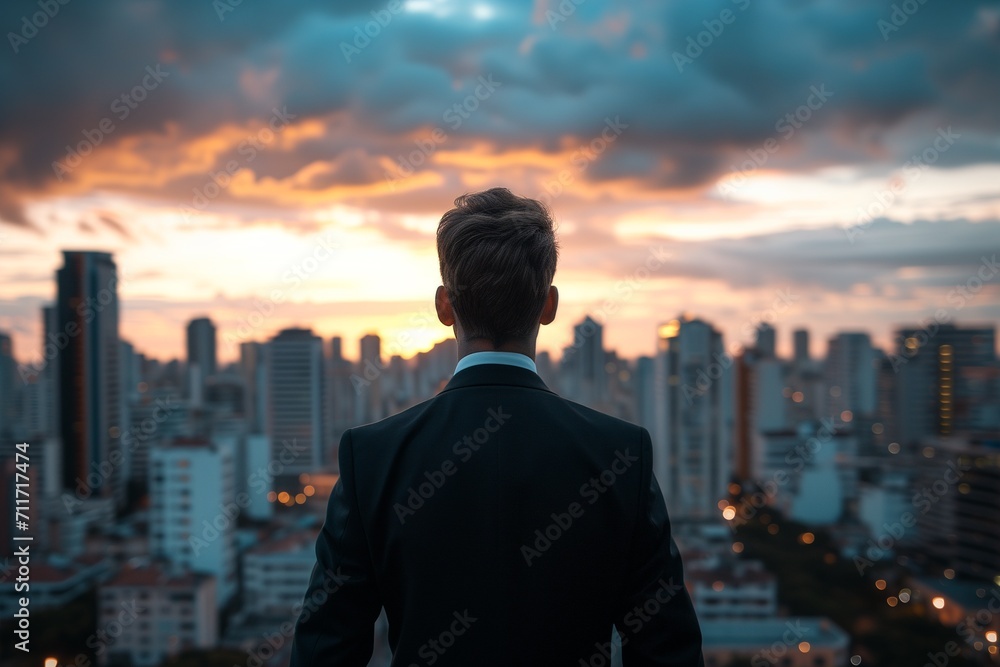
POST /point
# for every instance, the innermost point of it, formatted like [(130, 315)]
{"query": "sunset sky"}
[(835, 164)]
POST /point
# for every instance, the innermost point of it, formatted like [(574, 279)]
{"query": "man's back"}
[(498, 524)]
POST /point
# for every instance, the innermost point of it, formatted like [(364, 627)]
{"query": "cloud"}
[(224, 77), (907, 256)]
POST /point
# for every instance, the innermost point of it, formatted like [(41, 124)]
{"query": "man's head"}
[(498, 256)]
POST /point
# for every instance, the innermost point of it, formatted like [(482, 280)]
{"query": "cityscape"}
[(830, 510), (776, 226)]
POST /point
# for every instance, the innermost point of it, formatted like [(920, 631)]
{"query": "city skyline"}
[(212, 160), (266, 316), (225, 394)]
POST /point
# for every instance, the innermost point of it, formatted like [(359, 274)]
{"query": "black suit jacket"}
[(498, 524)]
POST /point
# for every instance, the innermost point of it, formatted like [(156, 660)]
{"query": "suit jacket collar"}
[(495, 374)]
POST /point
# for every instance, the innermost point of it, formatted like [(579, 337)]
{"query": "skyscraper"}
[(694, 413), (200, 353), (958, 520), (87, 346), (766, 340), (945, 380), (367, 381), (584, 376), (851, 369), (800, 340), (253, 371), (8, 386), (340, 391), (294, 360)]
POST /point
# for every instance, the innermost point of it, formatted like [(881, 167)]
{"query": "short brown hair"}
[(498, 257)]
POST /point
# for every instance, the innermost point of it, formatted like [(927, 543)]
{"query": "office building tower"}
[(644, 391), (9, 396), (693, 435), (254, 373), (947, 381), (193, 512), (851, 369), (585, 378), (341, 394), (201, 360), (367, 381), (766, 340), (295, 372), (958, 506), (800, 341), (89, 355)]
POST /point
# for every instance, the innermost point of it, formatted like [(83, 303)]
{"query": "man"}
[(497, 523)]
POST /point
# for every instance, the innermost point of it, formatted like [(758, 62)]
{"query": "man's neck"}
[(467, 347)]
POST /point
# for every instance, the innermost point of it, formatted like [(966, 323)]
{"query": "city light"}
[(938, 602), (880, 584), (729, 513), (991, 635), (807, 538)]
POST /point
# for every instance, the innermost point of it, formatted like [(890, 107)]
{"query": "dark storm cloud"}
[(687, 124)]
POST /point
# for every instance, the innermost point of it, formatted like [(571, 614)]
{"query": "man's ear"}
[(443, 306), (550, 307)]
